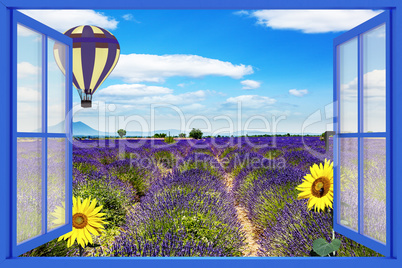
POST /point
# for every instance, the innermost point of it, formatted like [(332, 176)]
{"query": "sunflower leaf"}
[(323, 248), (336, 244)]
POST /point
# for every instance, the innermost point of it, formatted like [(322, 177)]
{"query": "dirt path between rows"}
[(248, 228)]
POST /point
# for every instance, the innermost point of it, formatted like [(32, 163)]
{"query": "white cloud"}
[(193, 107), (135, 68), (185, 98), (27, 94), (313, 21), (26, 69), (23, 31), (133, 90), (375, 85), (62, 20), (147, 95), (298, 93), (185, 84), (242, 13), (250, 84), (251, 101), (128, 16)]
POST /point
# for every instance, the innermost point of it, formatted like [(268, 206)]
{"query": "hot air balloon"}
[(95, 54)]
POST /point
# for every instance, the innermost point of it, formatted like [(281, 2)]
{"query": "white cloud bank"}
[(311, 21), (250, 84), (375, 85), (298, 93), (139, 94), (30, 95), (251, 101), (133, 90), (128, 17), (62, 20), (134, 68), (26, 69)]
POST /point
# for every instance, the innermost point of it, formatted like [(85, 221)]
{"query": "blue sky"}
[(203, 64)]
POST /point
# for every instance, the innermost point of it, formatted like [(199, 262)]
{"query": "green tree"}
[(195, 134), (182, 135), (160, 135), (121, 132)]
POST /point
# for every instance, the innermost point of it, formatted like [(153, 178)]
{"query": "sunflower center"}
[(320, 187), (79, 220)]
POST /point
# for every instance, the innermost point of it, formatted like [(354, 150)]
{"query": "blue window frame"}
[(351, 61), (6, 8), (31, 224)]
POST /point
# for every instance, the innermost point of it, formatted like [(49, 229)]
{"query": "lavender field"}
[(211, 197)]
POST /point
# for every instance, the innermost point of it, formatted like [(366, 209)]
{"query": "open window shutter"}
[(41, 134), (362, 148)]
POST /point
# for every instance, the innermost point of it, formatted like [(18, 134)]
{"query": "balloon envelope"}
[(95, 54)]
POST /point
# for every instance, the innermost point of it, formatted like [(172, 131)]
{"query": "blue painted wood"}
[(13, 220), (69, 135), (360, 135), (41, 28), (360, 180), (43, 135), (396, 128), (44, 130), (389, 182), (377, 20), (364, 240), (202, 262), (201, 4), (336, 127), (363, 135), (5, 135), (395, 131)]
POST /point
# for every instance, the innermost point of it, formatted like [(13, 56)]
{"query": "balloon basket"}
[(86, 103)]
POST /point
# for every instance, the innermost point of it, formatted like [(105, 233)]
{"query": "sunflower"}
[(59, 215), (318, 186), (86, 221)]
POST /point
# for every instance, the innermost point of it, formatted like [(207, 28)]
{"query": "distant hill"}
[(82, 129), (79, 129)]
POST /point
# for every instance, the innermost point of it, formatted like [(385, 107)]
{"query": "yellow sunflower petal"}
[(73, 235), (92, 230), (88, 235), (311, 202), (309, 178), (79, 210), (91, 207), (84, 205), (95, 224), (70, 242), (81, 238), (313, 171), (95, 211)]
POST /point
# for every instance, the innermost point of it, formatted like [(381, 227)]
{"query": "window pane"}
[(349, 183), (56, 86), (375, 188), (374, 80), (29, 188), (56, 182), (348, 86), (29, 80)]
